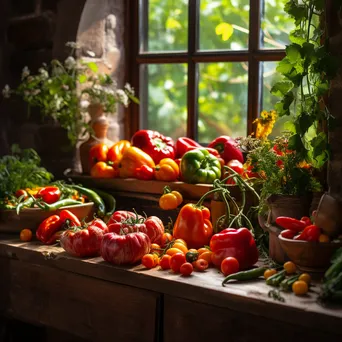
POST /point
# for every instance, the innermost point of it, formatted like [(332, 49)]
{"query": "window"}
[(204, 68)]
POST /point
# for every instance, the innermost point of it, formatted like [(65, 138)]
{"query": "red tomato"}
[(123, 215), (26, 235), (83, 242), (200, 265), (165, 262), (186, 269), (124, 249), (166, 239), (98, 153), (177, 260), (20, 193), (49, 194), (229, 266), (237, 167)]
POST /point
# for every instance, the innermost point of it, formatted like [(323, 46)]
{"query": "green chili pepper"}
[(109, 200), (57, 205), (254, 273), (286, 284), (26, 204), (276, 279), (94, 197)]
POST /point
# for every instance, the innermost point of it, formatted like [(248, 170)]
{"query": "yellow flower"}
[(265, 124)]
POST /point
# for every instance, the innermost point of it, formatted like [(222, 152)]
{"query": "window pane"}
[(269, 77), (167, 25), (275, 24), (224, 25), (166, 107), (222, 100)]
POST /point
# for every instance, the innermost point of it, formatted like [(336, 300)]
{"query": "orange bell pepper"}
[(103, 170), (116, 152), (167, 170), (193, 225), (132, 159)]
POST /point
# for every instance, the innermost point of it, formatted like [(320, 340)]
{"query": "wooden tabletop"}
[(204, 287)]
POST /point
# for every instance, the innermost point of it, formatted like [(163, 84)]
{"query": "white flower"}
[(43, 73), (123, 98), (6, 92), (58, 102), (25, 72), (70, 62), (91, 53), (84, 104), (129, 88)]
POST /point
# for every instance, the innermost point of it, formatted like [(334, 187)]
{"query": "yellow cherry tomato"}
[(300, 287), (170, 199), (290, 267), (270, 272), (26, 235), (180, 246), (324, 238), (182, 242), (305, 277), (172, 251), (178, 195)]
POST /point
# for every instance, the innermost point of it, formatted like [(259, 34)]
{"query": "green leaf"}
[(225, 30), (284, 66), (93, 66), (298, 12), (82, 78), (322, 88), (296, 143), (304, 122), (293, 52), (281, 88), (319, 144), (298, 37)]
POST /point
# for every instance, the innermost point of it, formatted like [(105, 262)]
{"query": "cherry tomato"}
[(186, 269), (164, 262), (103, 170), (180, 246), (270, 272), (290, 267), (172, 251), (191, 255), (20, 193), (155, 248), (300, 287), (168, 202), (229, 266), (148, 261), (26, 235), (177, 260), (200, 265), (181, 241), (202, 250), (98, 153), (156, 259), (166, 238), (206, 256), (305, 277)]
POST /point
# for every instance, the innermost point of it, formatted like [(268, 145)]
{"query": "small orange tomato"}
[(186, 269), (167, 170), (155, 248), (103, 170), (181, 241), (172, 251), (202, 250), (156, 259), (98, 153), (200, 265), (148, 260), (168, 201), (164, 262), (180, 246), (166, 238), (26, 235), (324, 238), (206, 256)]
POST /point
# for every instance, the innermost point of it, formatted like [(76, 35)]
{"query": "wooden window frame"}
[(254, 55)]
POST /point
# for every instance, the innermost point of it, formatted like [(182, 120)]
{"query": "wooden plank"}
[(90, 308), (191, 321), (204, 287)]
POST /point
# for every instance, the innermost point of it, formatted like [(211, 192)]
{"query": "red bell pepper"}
[(227, 147), (237, 243), (144, 173), (47, 230), (154, 144), (193, 225), (185, 144), (310, 233), (291, 223), (237, 167), (49, 194)]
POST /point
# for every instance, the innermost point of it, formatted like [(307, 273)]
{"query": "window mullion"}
[(253, 64), (192, 95)]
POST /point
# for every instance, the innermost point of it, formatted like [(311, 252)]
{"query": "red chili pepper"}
[(237, 243), (48, 228), (144, 173), (290, 223), (227, 147), (288, 234), (310, 233), (307, 220), (154, 144), (49, 194)]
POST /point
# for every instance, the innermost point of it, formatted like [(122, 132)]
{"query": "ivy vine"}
[(307, 70)]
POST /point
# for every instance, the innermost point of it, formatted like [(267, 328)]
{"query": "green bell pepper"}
[(199, 166)]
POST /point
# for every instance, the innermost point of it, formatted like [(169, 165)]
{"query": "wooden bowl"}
[(309, 256), (30, 218)]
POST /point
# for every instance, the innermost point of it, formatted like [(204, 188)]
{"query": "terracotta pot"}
[(286, 205), (309, 256)]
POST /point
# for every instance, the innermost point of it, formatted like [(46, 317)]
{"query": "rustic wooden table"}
[(100, 302)]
